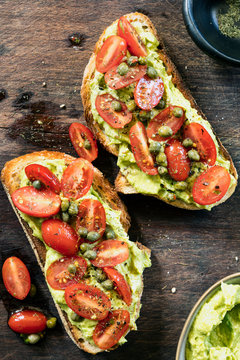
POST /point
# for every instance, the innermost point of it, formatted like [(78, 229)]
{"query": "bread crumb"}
[(173, 290)]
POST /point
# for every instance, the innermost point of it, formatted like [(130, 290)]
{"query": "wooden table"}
[(190, 250)]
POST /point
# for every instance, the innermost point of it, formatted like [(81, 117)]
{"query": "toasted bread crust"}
[(121, 183), (10, 177)]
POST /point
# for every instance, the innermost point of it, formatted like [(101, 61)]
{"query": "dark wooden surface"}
[(190, 250)]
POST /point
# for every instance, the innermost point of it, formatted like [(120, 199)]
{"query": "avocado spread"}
[(215, 333), (132, 269), (163, 185)]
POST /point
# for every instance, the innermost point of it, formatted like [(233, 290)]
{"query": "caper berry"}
[(109, 233), (142, 60), (162, 170), (76, 317), (51, 323), (131, 105), (155, 147), (100, 275), (73, 208), (72, 269), (107, 284), (82, 232), (37, 184), (151, 72), (32, 339), (181, 185), (90, 254), (161, 159), (193, 155), (144, 115), (65, 216), (64, 205), (87, 144), (161, 104), (178, 112), (187, 142), (33, 290), (84, 247), (122, 69), (93, 236), (165, 131), (132, 60), (116, 106)]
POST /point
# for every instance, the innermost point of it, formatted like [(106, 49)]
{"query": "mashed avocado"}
[(143, 183), (215, 333), (132, 269)]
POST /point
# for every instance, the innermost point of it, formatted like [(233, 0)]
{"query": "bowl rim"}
[(193, 311), (198, 38)]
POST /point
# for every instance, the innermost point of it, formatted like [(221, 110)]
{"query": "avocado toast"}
[(181, 191), (81, 332)]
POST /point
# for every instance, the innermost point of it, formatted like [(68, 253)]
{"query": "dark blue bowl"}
[(200, 17)]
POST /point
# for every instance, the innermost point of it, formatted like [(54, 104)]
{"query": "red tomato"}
[(121, 285), (77, 179), (16, 277), (139, 145), (58, 275), (91, 215), (148, 92), (134, 42), (167, 118), (28, 322), (110, 253), (177, 159), (204, 142), (111, 53), (78, 134), (60, 236), (38, 203), (117, 119), (109, 331), (116, 81), (211, 186), (43, 174), (87, 301)]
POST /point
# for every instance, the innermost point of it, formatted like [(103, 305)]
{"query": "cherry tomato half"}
[(38, 203), (79, 134), (148, 92), (60, 236), (111, 53), (211, 185), (110, 253), (58, 275), (28, 322), (134, 42), (121, 284), (166, 118), (139, 146), (109, 331), (204, 142), (91, 215), (16, 277), (43, 174), (177, 159), (116, 81), (117, 119), (87, 301), (77, 179)]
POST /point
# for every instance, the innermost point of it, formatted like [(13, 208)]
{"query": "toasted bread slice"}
[(10, 178), (121, 183)]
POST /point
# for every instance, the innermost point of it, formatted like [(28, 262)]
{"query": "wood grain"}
[(190, 251)]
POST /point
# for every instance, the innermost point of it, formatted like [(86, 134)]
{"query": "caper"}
[(73, 208), (100, 275), (33, 290), (51, 323), (76, 317), (82, 232), (178, 112), (122, 69), (93, 236), (65, 216), (144, 115), (181, 185), (155, 147), (162, 170), (165, 131), (64, 205), (116, 106), (142, 60), (187, 142), (90, 254), (161, 104), (132, 60), (171, 197), (72, 269), (37, 184), (161, 159), (109, 233), (131, 105), (107, 284), (84, 247), (151, 72), (87, 144), (32, 339), (193, 155)]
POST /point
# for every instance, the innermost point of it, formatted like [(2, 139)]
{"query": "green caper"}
[(72, 269), (131, 105), (181, 185), (132, 60), (161, 104), (151, 72), (33, 290), (64, 205), (108, 284), (90, 254), (76, 317), (84, 247), (162, 170), (142, 60), (165, 131), (73, 208), (82, 232), (37, 184), (32, 339), (193, 155), (116, 106), (122, 69), (155, 147), (187, 142), (144, 115), (109, 233), (101, 83), (171, 197), (65, 216), (93, 236), (161, 159), (178, 112), (100, 275), (87, 144), (51, 323)]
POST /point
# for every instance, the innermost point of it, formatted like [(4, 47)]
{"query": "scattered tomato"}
[(177, 159), (110, 253), (121, 284), (111, 53), (134, 42), (116, 81), (43, 174), (79, 134), (148, 92), (28, 322)]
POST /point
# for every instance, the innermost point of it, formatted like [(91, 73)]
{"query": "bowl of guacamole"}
[(212, 329)]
